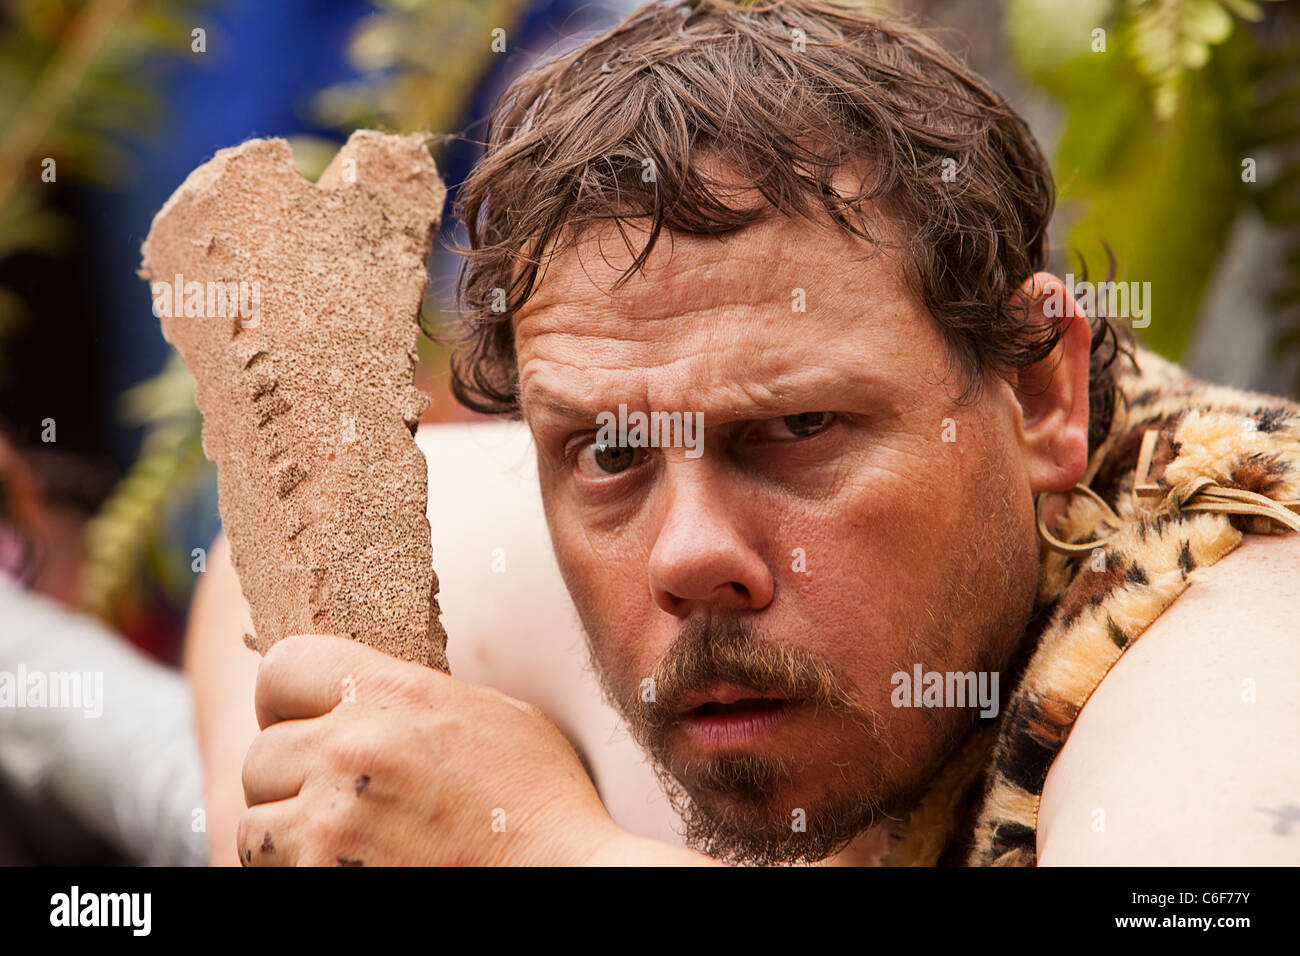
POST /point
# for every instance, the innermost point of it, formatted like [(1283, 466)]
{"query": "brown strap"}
[(1237, 502), (1065, 547), (1202, 494)]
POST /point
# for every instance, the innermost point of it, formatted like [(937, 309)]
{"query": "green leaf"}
[(1162, 194)]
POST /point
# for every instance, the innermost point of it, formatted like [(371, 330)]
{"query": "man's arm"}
[(1187, 753), (222, 673)]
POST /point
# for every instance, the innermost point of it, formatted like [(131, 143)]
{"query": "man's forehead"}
[(776, 252), (762, 262), (740, 330)]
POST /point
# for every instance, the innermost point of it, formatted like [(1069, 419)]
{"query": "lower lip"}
[(719, 731)]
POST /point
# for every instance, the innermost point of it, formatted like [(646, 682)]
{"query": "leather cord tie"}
[(1200, 494)]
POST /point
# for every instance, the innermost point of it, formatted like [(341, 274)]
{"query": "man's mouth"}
[(727, 717)]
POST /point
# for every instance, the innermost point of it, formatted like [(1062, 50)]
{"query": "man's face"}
[(747, 606)]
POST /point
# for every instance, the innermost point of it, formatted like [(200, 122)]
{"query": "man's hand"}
[(367, 760)]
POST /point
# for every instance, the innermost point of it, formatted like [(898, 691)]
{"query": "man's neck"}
[(865, 849)]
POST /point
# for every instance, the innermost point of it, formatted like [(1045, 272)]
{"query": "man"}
[(829, 616)]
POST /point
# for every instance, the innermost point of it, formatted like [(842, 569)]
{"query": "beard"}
[(772, 808), (733, 805)]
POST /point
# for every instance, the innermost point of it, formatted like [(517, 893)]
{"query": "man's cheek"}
[(592, 559), (613, 610), (626, 657), (606, 569)]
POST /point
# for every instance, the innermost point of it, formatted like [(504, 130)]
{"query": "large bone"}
[(308, 396)]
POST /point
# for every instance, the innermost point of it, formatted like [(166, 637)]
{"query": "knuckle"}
[(353, 745), (256, 755), (317, 832), (281, 654), (394, 681), (244, 848), (325, 827), (526, 708), (530, 710), (260, 757)]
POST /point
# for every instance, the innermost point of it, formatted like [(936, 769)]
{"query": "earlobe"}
[(1053, 392)]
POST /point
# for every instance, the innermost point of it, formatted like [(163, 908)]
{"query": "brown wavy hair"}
[(787, 92)]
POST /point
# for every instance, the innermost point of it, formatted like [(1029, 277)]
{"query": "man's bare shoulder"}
[(509, 619), (1188, 752), (510, 622)]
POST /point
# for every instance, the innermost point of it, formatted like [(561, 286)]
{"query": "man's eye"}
[(599, 461), (791, 427), (806, 424)]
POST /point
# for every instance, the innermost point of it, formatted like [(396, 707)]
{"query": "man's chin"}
[(752, 812)]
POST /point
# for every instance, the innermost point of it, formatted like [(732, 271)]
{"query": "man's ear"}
[(1053, 393)]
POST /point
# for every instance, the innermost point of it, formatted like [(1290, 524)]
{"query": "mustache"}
[(713, 650)]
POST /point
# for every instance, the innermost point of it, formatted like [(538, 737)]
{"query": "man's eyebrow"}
[(807, 390), (540, 397)]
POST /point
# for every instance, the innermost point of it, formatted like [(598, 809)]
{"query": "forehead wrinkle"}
[(705, 263), (752, 338), (636, 319), (764, 384), (643, 343)]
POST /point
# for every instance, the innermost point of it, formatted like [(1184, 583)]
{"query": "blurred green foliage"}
[(1166, 104), (70, 89), (422, 60), (129, 530)]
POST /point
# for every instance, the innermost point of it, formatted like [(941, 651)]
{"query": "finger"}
[(307, 675), (279, 760), (270, 834)]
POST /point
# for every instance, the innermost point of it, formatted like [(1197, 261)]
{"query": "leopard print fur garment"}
[(982, 809)]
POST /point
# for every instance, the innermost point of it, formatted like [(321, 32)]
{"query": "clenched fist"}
[(368, 760)]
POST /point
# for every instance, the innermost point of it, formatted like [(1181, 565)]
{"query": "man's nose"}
[(703, 557)]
